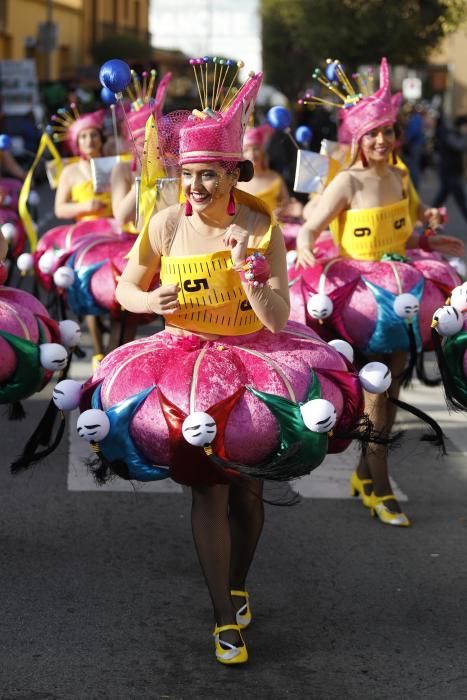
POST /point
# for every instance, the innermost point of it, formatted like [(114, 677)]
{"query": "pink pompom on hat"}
[(68, 124), (361, 109), (217, 132), (257, 135)]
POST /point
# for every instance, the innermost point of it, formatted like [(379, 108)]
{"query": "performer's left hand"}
[(433, 217), (236, 238), (447, 245)]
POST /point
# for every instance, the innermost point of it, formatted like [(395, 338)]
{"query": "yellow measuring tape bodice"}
[(212, 298), (367, 234)]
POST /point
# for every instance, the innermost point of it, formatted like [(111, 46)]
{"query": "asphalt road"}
[(102, 596)]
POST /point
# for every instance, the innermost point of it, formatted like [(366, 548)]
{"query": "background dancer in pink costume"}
[(369, 206)]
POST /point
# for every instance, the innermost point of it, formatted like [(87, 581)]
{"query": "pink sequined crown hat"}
[(144, 105), (361, 108), (373, 111), (68, 124), (212, 135)]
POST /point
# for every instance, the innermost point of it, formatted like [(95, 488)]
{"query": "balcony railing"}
[(104, 30)]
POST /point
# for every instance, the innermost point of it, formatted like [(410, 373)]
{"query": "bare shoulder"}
[(164, 217)]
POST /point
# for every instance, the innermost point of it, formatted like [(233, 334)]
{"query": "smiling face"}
[(377, 145), (90, 142), (206, 185)]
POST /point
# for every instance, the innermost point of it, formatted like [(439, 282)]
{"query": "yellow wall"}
[(22, 20), (79, 23)]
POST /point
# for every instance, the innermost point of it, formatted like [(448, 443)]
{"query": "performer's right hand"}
[(163, 300), (305, 258)]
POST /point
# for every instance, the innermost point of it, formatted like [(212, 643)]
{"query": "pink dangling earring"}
[(188, 208), (231, 210), (394, 158), (363, 159)]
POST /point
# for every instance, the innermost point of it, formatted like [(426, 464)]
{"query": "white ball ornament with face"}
[(53, 356), (199, 429), (319, 415), (406, 306), (447, 320), (320, 306), (66, 394), (459, 298), (25, 262), (93, 425), (70, 333), (64, 277), (375, 377), (47, 262), (343, 348), (9, 231)]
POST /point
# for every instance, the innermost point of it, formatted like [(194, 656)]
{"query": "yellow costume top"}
[(271, 196), (212, 298), (83, 192), (366, 234)]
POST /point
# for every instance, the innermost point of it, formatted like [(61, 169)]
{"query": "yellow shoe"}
[(388, 517), (243, 615), (96, 360), (357, 488), (227, 653)]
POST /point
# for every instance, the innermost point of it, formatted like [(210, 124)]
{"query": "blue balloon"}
[(115, 75), (330, 71), (279, 118), (5, 142), (303, 135), (107, 96)]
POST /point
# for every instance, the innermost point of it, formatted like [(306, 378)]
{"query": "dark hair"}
[(247, 171)]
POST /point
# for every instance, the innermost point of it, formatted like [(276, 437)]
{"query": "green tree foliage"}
[(126, 46), (299, 34)]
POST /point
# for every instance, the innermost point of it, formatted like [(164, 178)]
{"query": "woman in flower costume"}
[(370, 295), (228, 390), (31, 343), (11, 177)]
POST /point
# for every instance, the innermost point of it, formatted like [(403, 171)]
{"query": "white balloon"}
[(406, 305), (70, 333), (459, 297), (53, 356), (64, 277), (319, 306), (375, 377), (344, 348), (34, 198), (9, 231), (66, 394), (319, 415), (25, 262), (199, 429), (291, 257), (459, 265), (93, 425), (47, 262), (447, 320)]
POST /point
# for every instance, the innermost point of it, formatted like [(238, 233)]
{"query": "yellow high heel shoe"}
[(357, 488), (386, 516), (227, 653), (243, 615)]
